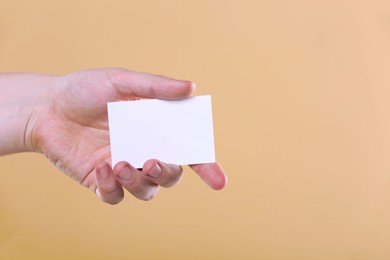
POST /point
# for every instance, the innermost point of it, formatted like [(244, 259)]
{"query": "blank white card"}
[(179, 132)]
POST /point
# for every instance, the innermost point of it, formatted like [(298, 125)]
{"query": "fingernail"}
[(125, 174), (156, 171), (193, 86), (104, 171)]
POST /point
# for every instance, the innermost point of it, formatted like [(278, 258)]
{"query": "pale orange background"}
[(302, 124)]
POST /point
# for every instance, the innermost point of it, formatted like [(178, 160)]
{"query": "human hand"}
[(71, 129)]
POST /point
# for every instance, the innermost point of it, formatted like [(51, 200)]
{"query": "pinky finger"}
[(109, 190)]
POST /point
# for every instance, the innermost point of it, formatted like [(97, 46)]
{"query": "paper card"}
[(179, 132)]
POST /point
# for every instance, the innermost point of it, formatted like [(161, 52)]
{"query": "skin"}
[(65, 118)]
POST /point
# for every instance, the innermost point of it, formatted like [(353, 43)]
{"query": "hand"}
[(71, 129)]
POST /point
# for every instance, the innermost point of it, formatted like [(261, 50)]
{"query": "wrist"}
[(24, 99)]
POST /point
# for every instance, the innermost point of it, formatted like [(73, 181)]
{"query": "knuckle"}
[(172, 180), (176, 169), (113, 201), (149, 197), (148, 193)]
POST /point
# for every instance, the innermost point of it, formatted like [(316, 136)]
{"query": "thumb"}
[(145, 85), (212, 174)]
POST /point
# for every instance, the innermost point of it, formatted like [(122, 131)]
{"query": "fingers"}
[(212, 174), (109, 190), (145, 184), (165, 175), (144, 85), (135, 182)]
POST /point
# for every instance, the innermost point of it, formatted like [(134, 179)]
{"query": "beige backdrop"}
[(302, 124)]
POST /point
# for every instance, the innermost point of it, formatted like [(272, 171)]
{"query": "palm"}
[(75, 137)]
